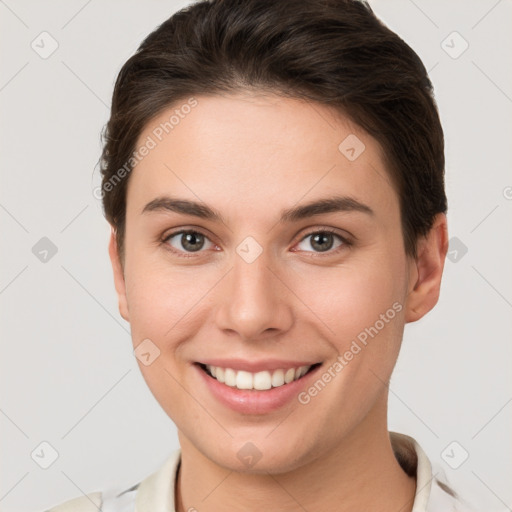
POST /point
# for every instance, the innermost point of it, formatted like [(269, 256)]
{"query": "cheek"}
[(165, 304), (360, 309), (351, 297), (165, 308)]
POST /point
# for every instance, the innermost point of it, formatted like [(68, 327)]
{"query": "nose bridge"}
[(252, 291), (252, 277), (255, 301)]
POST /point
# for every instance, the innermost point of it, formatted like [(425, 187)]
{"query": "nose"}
[(255, 301)]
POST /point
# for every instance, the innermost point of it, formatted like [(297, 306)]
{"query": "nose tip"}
[(254, 302)]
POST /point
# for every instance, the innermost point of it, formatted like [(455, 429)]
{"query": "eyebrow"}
[(318, 207)]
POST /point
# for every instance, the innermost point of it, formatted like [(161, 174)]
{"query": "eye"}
[(187, 241), (323, 241)]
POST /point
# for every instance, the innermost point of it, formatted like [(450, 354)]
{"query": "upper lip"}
[(257, 366)]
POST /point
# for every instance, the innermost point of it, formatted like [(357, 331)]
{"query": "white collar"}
[(156, 492), (432, 491)]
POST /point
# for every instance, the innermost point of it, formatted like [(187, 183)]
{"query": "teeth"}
[(277, 378), (230, 377), (219, 373), (262, 380), (289, 375), (259, 381), (243, 380)]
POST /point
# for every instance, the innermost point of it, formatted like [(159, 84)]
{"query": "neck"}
[(359, 473)]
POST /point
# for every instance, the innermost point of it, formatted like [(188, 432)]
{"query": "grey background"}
[(68, 376)]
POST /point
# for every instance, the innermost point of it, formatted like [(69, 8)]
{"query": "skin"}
[(250, 157)]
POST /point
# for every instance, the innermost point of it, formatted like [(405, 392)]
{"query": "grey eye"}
[(189, 241), (321, 241)]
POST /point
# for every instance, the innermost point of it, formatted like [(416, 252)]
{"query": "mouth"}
[(257, 381)]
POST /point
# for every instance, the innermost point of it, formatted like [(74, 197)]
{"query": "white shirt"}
[(156, 492)]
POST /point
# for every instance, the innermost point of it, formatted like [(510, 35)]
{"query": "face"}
[(228, 264)]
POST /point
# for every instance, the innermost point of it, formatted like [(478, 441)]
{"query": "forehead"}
[(246, 151)]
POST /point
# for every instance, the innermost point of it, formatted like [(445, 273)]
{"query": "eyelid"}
[(346, 240), (180, 231), (185, 229)]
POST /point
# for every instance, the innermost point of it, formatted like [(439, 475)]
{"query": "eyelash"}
[(345, 242)]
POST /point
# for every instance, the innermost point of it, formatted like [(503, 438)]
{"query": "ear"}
[(118, 275), (426, 270)]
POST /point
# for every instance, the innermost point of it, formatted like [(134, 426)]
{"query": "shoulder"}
[(155, 492), (88, 503), (110, 500), (433, 490)]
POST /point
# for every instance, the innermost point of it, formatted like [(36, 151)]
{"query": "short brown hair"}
[(334, 52)]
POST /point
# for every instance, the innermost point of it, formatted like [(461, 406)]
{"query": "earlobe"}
[(118, 271), (428, 270)]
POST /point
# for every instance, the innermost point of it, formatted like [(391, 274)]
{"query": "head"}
[(307, 136)]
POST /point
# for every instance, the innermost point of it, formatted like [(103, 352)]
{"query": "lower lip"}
[(253, 401)]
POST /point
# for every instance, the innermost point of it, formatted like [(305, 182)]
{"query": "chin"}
[(258, 454)]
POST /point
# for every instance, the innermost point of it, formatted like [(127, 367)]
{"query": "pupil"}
[(190, 241), (322, 237)]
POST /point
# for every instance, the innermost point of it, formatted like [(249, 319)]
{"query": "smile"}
[(259, 381)]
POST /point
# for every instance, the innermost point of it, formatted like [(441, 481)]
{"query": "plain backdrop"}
[(68, 374)]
